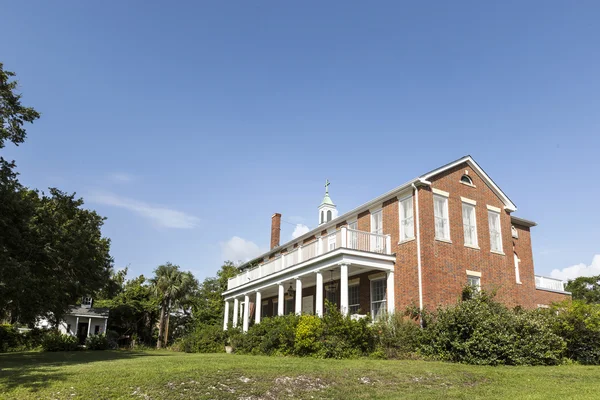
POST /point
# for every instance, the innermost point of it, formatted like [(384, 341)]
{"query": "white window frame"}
[(380, 302), (473, 238), (404, 235), (354, 285), (352, 236), (474, 277), (517, 271), (377, 242), (264, 308), (495, 247), (445, 235)]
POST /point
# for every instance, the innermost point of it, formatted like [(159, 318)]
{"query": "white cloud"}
[(121, 177), (577, 270), (163, 216), (300, 230), (238, 249)]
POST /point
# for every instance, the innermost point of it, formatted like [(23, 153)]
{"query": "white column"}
[(344, 289), (236, 312), (105, 323), (298, 296), (246, 313), (319, 290), (89, 326), (280, 300), (76, 327), (226, 317), (388, 244), (391, 299), (257, 307)]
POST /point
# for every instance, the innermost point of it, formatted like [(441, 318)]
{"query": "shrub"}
[(55, 341), (484, 332), (13, 340), (344, 337), (309, 335), (203, 339), (579, 324), (97, 342), (397, 337), (273, 336)]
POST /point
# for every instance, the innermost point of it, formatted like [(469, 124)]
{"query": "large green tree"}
[(209, 305), (586, 288), (51, 249), (176, 290)]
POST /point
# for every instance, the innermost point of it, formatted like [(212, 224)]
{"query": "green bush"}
[(273, 336), (55, 341), (13, 340), (308, 338), (97, 342), (344, 337), (397, 337), (482, 331), (579, 324), (203, 339)]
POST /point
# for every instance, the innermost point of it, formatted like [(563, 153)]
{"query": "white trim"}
[(472, 247), (440, 192), (380, 275), (419, 272), (474, 273), (467, 184), (492, 208), (468, 201), (400, 219), (501, 253), (375, 209), (355, 281)]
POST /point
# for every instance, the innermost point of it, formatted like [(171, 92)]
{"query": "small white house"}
[(82, 321)]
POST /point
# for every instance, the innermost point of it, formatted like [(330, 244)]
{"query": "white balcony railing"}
[(342, 238), (542, 282)]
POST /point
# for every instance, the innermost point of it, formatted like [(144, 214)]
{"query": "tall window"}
[(322, 216), (332, 298), (495, 234), (275, 307), (331, 242), (407, 224), (377, 242), (474, 281), (264, 310), (378, 298), (354, 298), (328, 215), (289, 305), (353, 236), (517, 273), (469, 225), (440, 212)]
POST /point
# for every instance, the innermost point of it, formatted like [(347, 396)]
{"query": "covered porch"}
[(357, 281)]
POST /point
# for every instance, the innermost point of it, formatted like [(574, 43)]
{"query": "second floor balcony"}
[(545, 283), (342, 238)]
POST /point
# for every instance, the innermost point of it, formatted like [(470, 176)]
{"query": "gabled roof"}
[(508, 204), (421, 180)]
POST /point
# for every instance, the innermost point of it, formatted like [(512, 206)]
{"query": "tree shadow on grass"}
[(37, 370)]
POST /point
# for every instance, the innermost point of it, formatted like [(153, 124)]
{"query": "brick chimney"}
[(275, 230)]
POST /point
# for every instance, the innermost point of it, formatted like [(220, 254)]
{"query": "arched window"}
[(328, 215), (466, 179), (322, 217)]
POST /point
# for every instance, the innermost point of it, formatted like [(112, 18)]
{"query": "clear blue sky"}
[(188, 124)]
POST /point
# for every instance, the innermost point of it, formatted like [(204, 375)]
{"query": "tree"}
[(12, 113), (175, 288), (586, 288), (51, 249), (208, 308)]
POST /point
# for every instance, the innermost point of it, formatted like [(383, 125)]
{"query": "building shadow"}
[(38, 370)]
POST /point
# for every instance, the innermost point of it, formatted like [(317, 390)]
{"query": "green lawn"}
[(168, 375)]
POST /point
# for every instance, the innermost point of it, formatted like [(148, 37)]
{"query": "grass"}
[(168, 375)]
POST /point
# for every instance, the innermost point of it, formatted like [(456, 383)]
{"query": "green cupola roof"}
[(327, 199)]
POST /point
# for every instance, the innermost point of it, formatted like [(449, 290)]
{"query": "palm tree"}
[(173, 287)]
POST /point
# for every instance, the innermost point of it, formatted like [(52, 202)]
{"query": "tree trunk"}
[(161, 326), (167, 324)]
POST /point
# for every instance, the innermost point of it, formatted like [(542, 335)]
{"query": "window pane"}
[(469, 225), (378, 298), (495, 234), (354, 298), (406, 219), (440, 212)]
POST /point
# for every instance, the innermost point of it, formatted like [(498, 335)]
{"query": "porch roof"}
[(88, 312)]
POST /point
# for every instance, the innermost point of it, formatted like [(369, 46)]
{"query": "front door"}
[(82, 331)]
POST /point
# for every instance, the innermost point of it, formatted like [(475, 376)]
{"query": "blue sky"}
[(189, 124)]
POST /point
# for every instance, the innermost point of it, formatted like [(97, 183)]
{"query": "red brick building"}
[(418, 244)]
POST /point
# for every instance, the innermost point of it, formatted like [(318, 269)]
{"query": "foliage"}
[(209, 303), (397, 337), (344, 337), (309, 334), (133, 311), (482, 331), (56, 341), (585, 288), (98, 342), (273, 336), (578, 323), (175, 289), (12, 113), (203, 339)]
